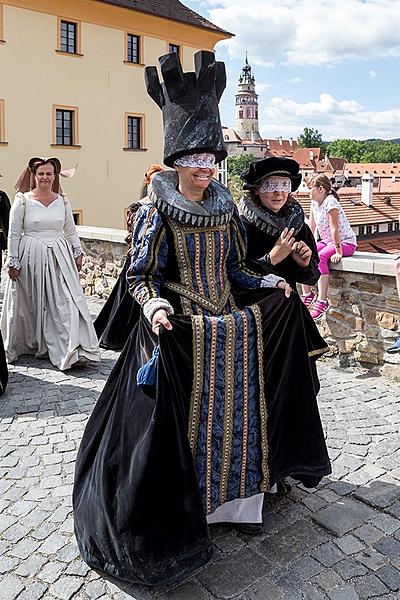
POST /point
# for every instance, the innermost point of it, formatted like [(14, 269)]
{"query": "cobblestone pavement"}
[(339, 542)]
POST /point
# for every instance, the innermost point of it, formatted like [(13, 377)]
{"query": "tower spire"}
[(246, 100)]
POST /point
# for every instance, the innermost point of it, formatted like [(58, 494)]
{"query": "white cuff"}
[(77, 251), (154, 304), (13, 262), (271, 280)]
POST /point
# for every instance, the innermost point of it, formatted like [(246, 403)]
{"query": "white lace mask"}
[(199, 161), (276, 184)]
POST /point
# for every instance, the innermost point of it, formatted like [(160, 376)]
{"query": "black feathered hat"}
[(189, 103), (266, 167)]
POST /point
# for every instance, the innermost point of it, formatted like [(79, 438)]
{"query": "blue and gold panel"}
[(228, 417)]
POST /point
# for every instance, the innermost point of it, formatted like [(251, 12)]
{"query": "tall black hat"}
[(189, 103), (274, 165)]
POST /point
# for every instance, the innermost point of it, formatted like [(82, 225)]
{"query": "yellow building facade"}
[(72, 86)]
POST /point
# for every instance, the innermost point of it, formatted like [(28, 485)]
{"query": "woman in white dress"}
[(44, 310)]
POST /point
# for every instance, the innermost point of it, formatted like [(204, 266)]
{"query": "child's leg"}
[(325, 252)]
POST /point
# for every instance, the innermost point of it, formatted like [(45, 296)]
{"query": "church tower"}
[(246, 110)]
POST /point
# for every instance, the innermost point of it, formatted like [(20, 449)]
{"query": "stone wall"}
[(105, 254), (365, 310)]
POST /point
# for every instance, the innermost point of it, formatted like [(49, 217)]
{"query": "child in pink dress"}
[(337, 239)]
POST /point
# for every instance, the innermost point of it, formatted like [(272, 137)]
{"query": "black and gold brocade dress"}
[(235, 407)]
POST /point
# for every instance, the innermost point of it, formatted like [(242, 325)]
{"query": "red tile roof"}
[(375, 169), (384, 244), (357, 212), (303, 157), (170, 9)]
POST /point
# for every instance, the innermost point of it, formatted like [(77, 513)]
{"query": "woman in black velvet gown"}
[(277, 236), (233, 407)]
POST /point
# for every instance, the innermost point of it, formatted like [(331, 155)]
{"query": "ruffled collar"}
[(271, 223), (216, 209)]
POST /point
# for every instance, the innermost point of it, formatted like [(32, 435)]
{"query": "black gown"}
[(4, 222), (235, 405), (263, 229), (118, 316)]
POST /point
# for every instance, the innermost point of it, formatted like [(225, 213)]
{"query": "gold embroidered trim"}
[(245, 404), (211, 398), (230, 351), (198, 381), (317, 352), (197, 264), (264, 486), (183, 260), (192, 295)]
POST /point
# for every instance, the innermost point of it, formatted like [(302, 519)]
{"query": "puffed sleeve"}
[(238, 272), (70, 229), (149, 258), (17, 214)]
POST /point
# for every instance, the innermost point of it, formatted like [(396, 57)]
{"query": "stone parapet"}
[(365, 309), (365, 312), (105, 253)]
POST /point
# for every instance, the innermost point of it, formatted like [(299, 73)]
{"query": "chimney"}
[(311, 154), (290, 141), (367, 182)]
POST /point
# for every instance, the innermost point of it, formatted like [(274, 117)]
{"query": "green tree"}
[(368, 151), (310, 138), (351, 150), (238, 164)]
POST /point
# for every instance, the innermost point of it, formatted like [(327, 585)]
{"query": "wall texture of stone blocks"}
[(363, 320)]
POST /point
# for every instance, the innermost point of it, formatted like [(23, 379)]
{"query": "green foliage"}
[(238, 164), (235, 186), (369, 151), (310, 138)]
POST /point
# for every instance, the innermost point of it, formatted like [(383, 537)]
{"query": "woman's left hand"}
[(337, 257), (301, 254), (285, 286), (79, 261)]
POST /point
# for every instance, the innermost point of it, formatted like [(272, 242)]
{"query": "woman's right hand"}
[(14, 273), (160, 318), (283, 246)]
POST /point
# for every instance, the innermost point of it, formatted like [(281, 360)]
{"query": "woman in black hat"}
[(277, 235), (162, 458)]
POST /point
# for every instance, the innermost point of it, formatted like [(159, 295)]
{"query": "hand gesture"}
[(283, 246), (337, 257), (14, 273), (160, 317), (301, 254), (285, 286)]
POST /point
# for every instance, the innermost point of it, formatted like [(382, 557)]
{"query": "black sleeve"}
[(5, 206), (308, 275)]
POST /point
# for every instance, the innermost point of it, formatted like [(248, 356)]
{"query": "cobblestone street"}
[(339, 542)]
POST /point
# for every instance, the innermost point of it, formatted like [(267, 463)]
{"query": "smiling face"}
[(193, 181)]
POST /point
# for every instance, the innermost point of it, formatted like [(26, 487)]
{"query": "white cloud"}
[(333, 119), (372, 73), (296, 80), (309, 32)]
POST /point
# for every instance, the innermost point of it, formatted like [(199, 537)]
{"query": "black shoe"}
[(249, 528)]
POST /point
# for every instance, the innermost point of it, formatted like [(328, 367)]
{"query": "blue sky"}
[(333, 66)]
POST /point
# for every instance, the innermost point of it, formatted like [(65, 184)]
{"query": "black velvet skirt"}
[(118, 316), (139, 508)]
